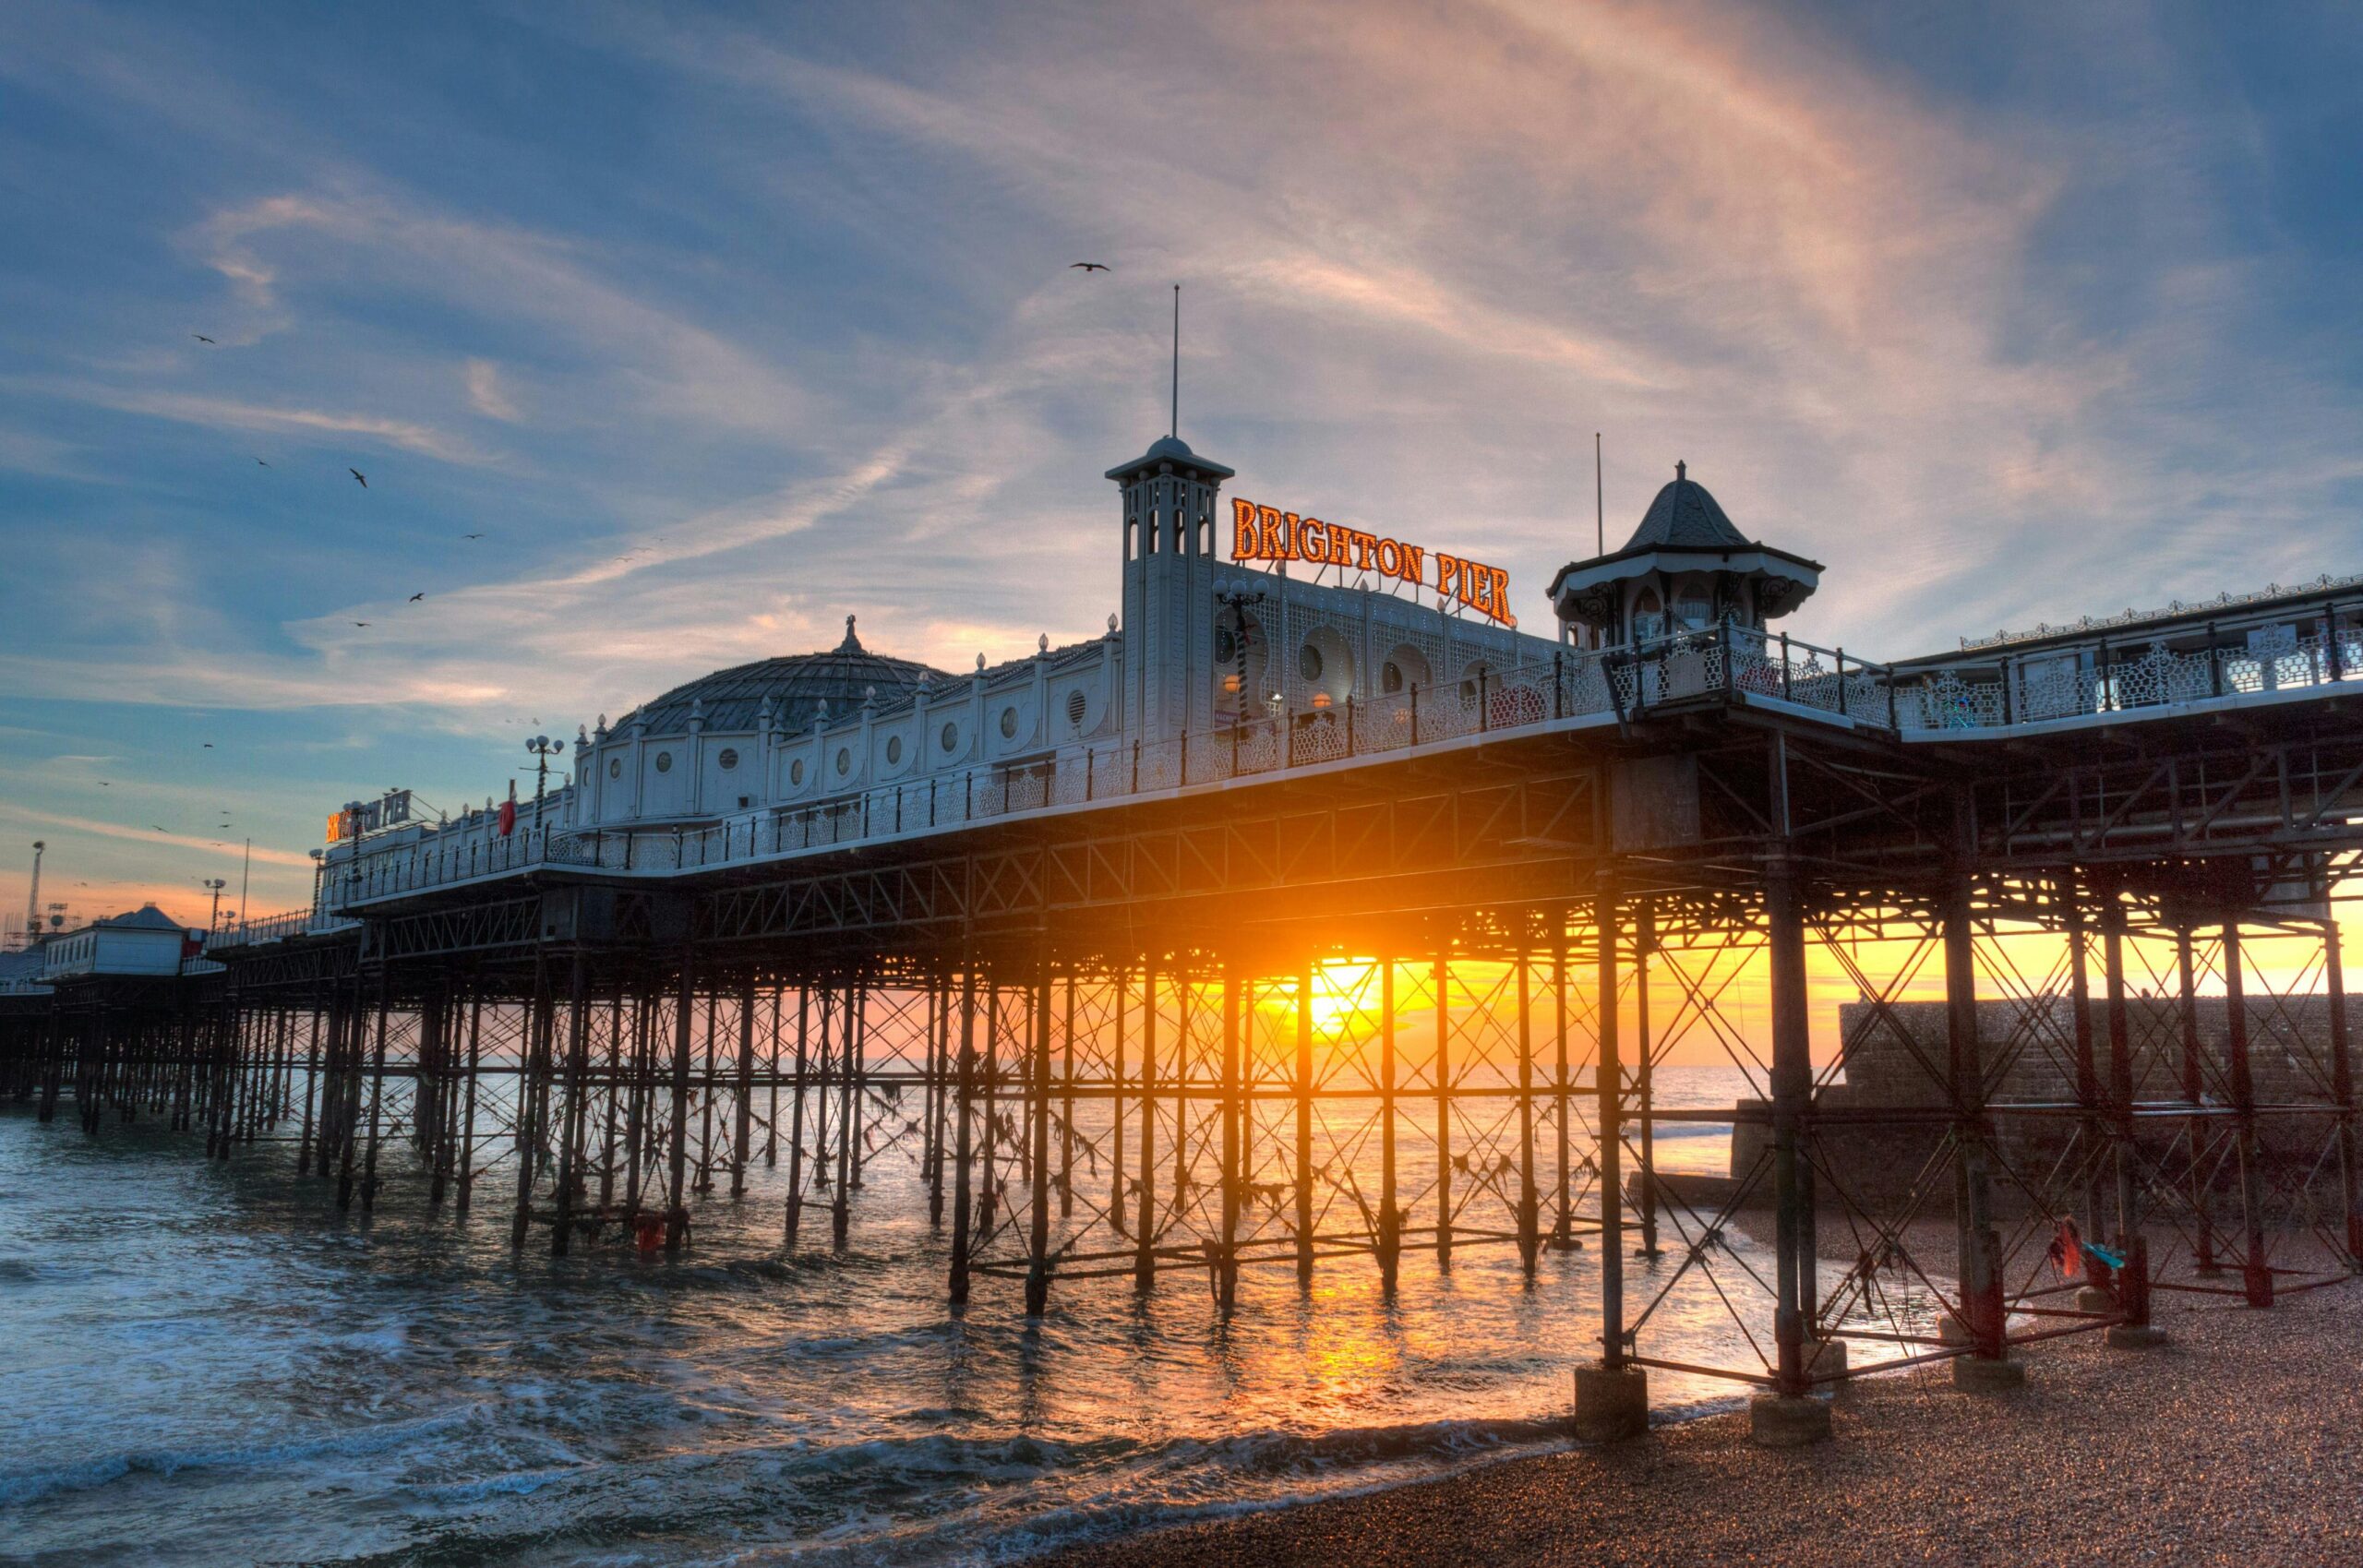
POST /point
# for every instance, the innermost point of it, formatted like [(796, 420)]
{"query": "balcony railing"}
[(1722, 664)]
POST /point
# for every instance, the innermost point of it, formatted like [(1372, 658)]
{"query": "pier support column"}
[(2256, 1269), (1037, 1240), (964, 1112), (1529, 1207), (1612, 1398), (1233, 1109), (2194, 1093), (677, 1210), (1443, 1110), (1303, 1094), (743, 1123), (1390, 1216), (2133, 1280), (795, 1206), (1788, 1418), (2092, 1128), (1144, 1224), (1986, 1368)]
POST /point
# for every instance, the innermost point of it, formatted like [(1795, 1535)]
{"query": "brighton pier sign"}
[(1267, 533)]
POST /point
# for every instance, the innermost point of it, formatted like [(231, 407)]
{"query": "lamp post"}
[(544, 749), (214, 886)]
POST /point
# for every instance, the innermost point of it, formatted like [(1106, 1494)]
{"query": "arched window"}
[(1648, 615)]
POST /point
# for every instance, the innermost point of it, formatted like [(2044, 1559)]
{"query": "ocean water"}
[(206, 1363)]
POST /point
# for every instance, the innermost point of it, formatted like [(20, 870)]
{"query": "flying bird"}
[(1087, 266), (356, 474), (416, 597), (201, 338), (209, 746), (361, 623), (264, 464), (471, 536), (153, 825)]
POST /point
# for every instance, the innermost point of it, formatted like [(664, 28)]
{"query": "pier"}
[(1295, 926)]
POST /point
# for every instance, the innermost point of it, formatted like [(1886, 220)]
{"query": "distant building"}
[(147, 941)]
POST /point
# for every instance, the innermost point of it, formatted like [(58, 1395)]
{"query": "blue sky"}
[(720, 324)]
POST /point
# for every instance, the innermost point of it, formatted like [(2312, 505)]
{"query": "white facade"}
[(147, 942)]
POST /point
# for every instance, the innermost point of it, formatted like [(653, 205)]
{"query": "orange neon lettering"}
[(1271, 530), (1413, 559), (1312, 537), (1365, 547), (1242, 530)]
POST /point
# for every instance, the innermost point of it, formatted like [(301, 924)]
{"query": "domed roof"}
[(1170, 449), (1685, 517), (797, 684)]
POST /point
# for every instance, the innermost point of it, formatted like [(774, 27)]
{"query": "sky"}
[(666, 338)]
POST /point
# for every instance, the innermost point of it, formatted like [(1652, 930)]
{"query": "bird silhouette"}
[(157, 829), (209, 746), (358, 474), (200, 337), (471, 536), (416, 597), (1087, 266), (361, 623), (264, 464)]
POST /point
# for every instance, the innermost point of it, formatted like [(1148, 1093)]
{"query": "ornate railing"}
[(1718, 666)]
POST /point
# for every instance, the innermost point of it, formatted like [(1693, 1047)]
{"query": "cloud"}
[(485, 393), (149, 836), (228, 413)]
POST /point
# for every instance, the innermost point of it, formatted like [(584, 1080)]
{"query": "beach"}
[(2239, 1441)]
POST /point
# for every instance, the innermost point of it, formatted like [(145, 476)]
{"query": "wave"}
[(20, 1487)]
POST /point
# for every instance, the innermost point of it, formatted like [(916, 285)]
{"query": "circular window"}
[(1009, 724), (1076, 707), (664, 761), (894, 749), (1308, 662), (729, 759), (950, 736), (795, 771), (1391, 678), (1226, 645), (615, 767), (845, 762)]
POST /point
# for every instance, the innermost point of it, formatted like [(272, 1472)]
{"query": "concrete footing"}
[(2135, 1336), (1612, 1403), (2093, 1298), (1784, 1420), (1976, 1374)]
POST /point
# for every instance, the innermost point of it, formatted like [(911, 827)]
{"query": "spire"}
[(852, 644), (1681, 472)]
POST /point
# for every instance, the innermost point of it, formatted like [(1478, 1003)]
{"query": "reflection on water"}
[(209, 1364)]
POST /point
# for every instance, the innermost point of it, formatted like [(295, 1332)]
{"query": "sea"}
[(206, 1363)]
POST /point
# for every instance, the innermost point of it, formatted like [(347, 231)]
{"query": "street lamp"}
[(214, 886), (544, 749)]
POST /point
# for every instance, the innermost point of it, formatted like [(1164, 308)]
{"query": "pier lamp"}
[(544, 749), (214, 886)]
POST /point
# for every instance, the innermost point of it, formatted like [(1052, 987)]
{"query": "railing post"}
[(1415, 713), (2009, 708), (2329, 632), (1785, 666), (1234, 746), (1892, 722), (1841, 683), (1349, 724), (1723, 635), (2215, 664), (1558, 674)]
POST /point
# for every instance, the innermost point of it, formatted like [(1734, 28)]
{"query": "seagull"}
[(209, 746), (153, 825), (264, 464), (1087, 266), (471, 536), (361, 623), (416, 597), (202, 338), (356, 474)]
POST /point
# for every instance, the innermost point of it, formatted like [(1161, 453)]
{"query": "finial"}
[(1112, 624), (852, 644), (869, 697), (1042, 643), (980, 663), (1681, 470)]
